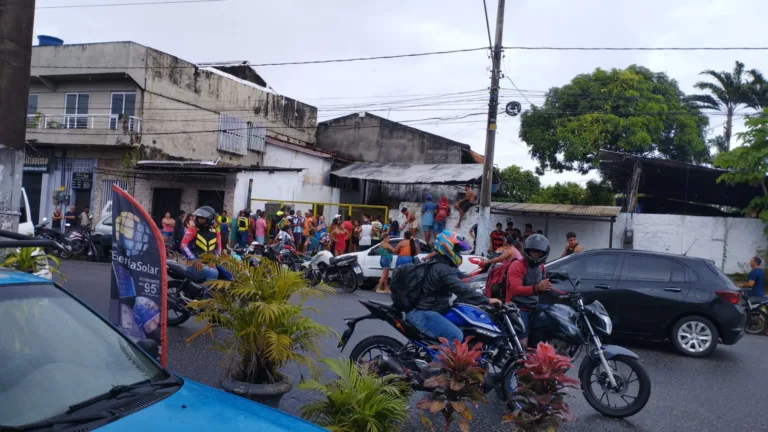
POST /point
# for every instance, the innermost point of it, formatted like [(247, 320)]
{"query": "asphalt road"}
[(728, 391)]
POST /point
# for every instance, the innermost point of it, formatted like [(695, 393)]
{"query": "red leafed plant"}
[(457, 386), (541, 391)]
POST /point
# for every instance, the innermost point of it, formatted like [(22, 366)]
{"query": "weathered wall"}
[(144, 185), (315, 169), (374, 139), (729, 242), (391, 194), (283, 186)]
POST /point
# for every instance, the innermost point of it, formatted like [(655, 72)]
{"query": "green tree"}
[(519, 184), (595, 193), (633, 110), (749, 163), (728, 93)]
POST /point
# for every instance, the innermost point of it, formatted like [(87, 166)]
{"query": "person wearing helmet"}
[(442, 280), (527, 278), (201, 239)]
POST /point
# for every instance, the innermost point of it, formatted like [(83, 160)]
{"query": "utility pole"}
[(483, 223), (17, 19)]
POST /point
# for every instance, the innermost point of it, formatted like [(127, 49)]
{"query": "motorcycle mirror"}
[(69, 225), (559, 275)]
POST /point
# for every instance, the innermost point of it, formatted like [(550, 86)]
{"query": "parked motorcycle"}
[(184, 287), (342, 271), (45, 233), (757, 313)]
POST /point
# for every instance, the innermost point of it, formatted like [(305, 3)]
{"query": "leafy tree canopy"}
[(519, 184), (633, 110), (595, 193)]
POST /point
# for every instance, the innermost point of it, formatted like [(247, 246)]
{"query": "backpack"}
[(407, 285), (442, 213), (496, 283)]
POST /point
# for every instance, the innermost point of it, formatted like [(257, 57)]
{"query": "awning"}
[(413, 173), (556, 209)]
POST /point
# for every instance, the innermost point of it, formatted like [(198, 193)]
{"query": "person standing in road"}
[(410, 220), (365, 236), (756, 278), (178, 229), (340, 236), (273, 226), (348, 227), (243, 223), (510, 228), (56, 219), (377, 231), (309, 223), (224, 225), (473, 234), (528, 231), (465, 204), (406, 249), (355, 247), (428, 218), (441, 215), (85, 218), (169, 224), (260, 227), (497, 239), (70, 217), (572, 245), (385, 251)]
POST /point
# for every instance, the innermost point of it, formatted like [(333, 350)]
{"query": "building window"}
[(76, 111), (125, 104), (256, 136), (32, 118), (232, 135)]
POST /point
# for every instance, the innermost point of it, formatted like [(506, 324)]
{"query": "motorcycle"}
[(45, 233), (569, 328), (184, 287), (757, 310), (343, 271), (81, 241)]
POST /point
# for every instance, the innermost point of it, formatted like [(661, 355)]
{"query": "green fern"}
[(357, 400), (264, 309), (32, 260)]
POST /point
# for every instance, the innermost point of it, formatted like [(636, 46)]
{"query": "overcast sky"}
[(275, 31)]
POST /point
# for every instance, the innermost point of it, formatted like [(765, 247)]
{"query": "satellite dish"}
[(513, 108)]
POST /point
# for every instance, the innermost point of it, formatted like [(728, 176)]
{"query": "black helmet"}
[(206, 212), (539, 243)]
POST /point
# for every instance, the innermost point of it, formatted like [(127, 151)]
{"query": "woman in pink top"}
[(168, 224), (260, 230)]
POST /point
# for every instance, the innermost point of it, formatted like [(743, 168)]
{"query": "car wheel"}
[(695, 336)]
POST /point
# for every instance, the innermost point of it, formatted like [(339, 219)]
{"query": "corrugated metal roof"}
[(413, 173), (206, 166), (557, 209)]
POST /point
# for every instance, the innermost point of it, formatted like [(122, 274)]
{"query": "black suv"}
[(658, 296)]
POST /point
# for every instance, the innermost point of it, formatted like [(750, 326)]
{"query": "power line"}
[(128, 4), (549, 48), (487, 25)]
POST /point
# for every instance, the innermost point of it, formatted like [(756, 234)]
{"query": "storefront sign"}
[(138, 301), (36, 163), (82, 180)]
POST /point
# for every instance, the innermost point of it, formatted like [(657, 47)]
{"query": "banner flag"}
[(139, 292)]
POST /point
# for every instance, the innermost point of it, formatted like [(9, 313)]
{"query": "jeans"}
[(434, 325), (208, 273), (260, 239), (242, 238)]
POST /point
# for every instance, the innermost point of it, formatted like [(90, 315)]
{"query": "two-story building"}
[(106, 113)]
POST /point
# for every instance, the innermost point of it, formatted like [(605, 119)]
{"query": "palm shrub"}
[(357, 399), (264, 310), (542, 386), (457, 386), (32, 260)]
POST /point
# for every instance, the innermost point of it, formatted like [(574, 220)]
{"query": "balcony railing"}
[(121, 122)]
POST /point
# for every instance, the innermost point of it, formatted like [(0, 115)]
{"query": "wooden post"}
[(634, 183)]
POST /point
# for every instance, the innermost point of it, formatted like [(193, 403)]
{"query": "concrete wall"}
[(729, 242), (375, 139), (283, 186), (143, 187)]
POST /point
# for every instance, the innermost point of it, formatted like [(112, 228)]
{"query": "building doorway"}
[(211, 198), (32, 182), (165, 201)]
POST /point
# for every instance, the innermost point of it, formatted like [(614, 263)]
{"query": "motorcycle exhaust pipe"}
[(388, 366)]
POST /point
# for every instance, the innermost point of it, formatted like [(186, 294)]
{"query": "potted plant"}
[(357, 399), (541, 391), (263, 308), (457, 386), (32, 260)]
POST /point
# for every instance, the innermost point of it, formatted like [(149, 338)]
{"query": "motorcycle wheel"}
[(347, 279), (509, 387), (362, 353), (178, 313), (592, 374), (755, 323)]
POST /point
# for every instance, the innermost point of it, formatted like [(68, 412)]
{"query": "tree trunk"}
[(728, 126)]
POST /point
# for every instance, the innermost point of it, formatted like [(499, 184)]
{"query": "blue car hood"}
[(208, 409)]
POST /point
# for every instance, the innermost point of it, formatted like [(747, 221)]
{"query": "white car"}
[(369, 260)]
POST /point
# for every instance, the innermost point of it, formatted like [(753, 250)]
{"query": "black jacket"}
[(441, 281)]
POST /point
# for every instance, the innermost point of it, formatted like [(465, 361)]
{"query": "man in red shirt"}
[(526, 278)]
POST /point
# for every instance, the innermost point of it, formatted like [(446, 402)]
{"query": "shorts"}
[(355, 241), (403, 260), (297, 237), (426, 228), (168, 234), (385, 262), (439, 227), (465, 205)]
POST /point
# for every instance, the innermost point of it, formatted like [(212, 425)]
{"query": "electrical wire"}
[(487, 25), (550, 48), (166, 2)]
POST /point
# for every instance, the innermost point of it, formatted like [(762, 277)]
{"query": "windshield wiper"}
[(120, 389), (59, 420)]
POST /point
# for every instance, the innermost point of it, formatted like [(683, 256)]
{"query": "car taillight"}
[(732, 297)]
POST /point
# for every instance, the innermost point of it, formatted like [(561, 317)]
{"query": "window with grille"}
[(256, 136), (233, 135)]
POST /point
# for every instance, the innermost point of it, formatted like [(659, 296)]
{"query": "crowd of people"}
[(70, 220)]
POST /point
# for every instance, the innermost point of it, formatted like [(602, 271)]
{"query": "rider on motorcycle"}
[(204, 239), (527, 278), (440, 282)]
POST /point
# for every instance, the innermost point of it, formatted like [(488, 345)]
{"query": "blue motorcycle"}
[(608, 370)]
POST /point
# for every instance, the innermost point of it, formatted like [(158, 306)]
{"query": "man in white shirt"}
[(365, 236)]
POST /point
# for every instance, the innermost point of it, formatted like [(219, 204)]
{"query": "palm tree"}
[(727, 95), (758, 90)]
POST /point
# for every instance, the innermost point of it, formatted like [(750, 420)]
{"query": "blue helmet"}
[(451, 245)]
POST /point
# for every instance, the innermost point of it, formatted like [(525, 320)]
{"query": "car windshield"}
[(560, 260), (56, 353)]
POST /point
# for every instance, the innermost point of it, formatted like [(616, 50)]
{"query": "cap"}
[(429, 197)]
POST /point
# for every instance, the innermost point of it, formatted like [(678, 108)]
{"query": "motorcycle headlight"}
[(607, 323)]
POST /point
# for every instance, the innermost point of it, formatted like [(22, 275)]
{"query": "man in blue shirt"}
[(755, 279)]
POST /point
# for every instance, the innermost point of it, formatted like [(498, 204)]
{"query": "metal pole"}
[(17, 18), (490, 139)]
